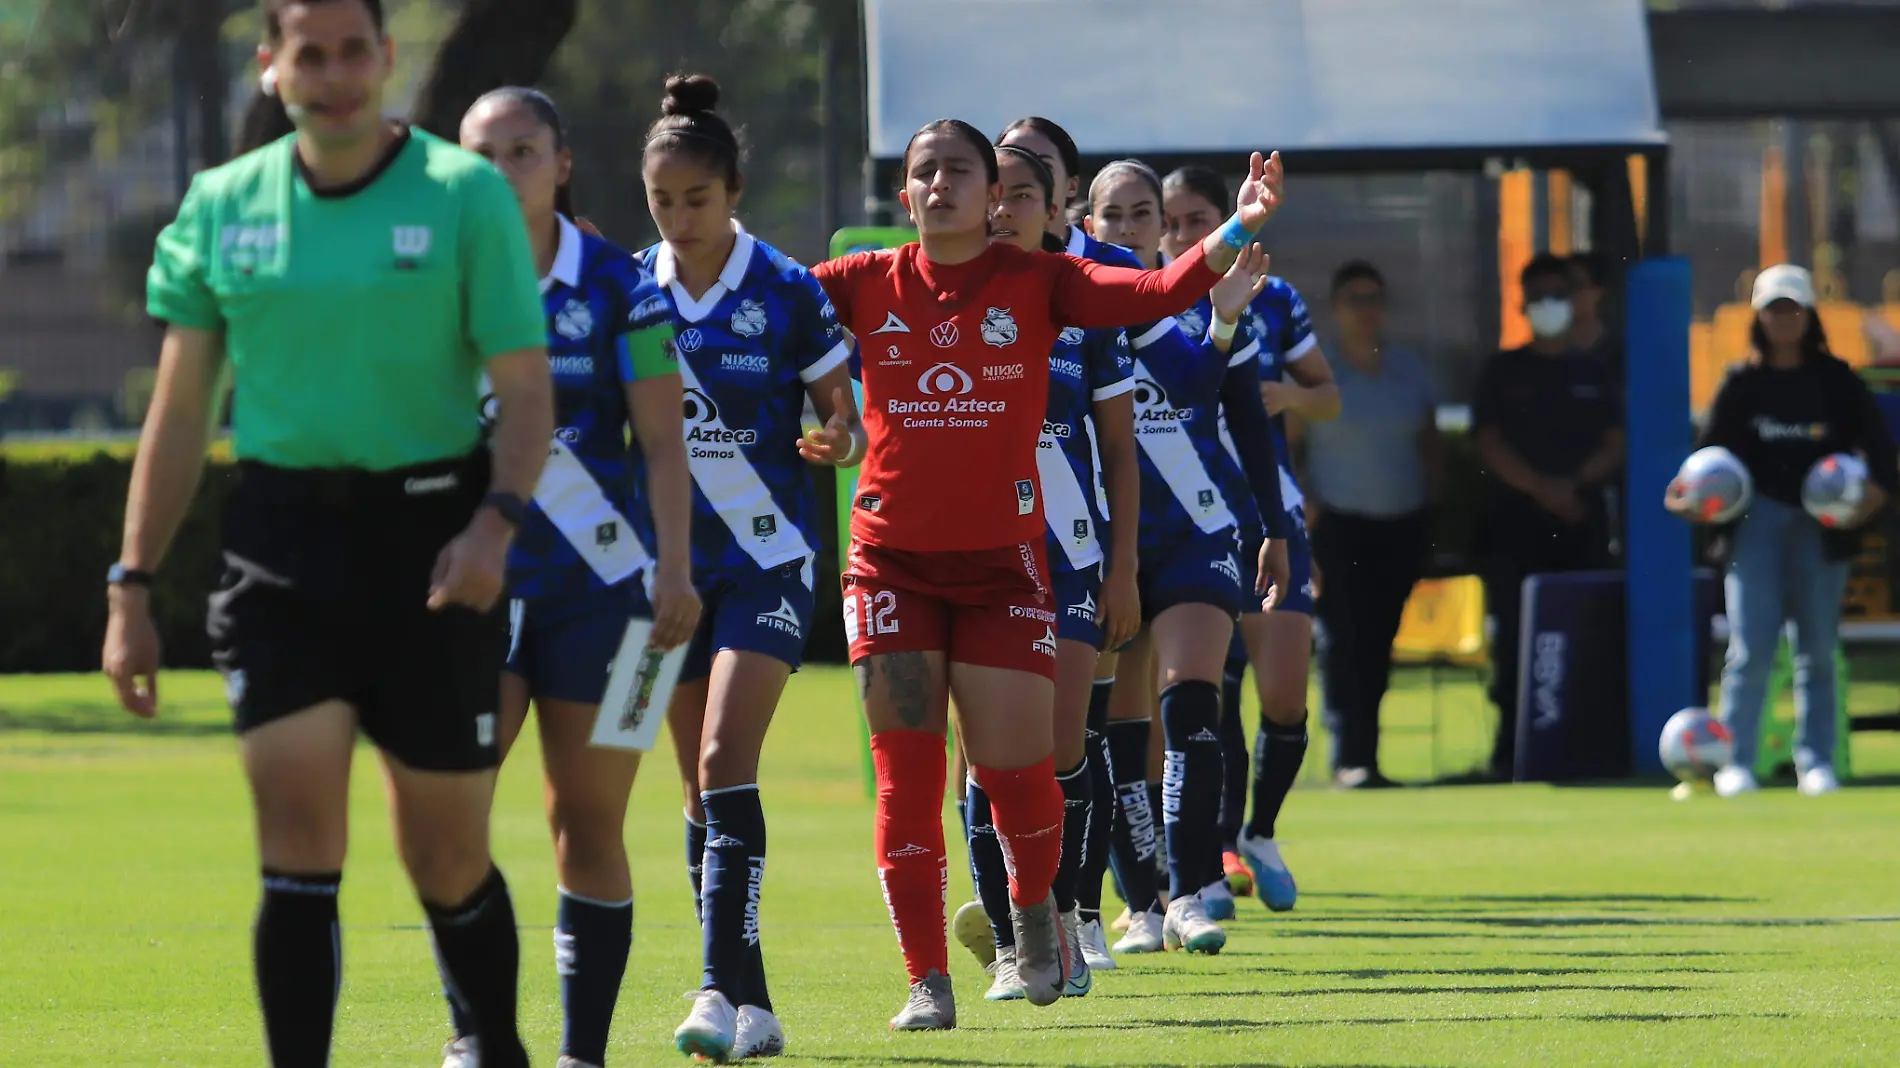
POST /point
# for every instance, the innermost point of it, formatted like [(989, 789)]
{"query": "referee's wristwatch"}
[(509, 506), (121, 575)]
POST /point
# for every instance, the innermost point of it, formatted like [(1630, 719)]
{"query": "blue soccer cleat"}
[(1272, 881)]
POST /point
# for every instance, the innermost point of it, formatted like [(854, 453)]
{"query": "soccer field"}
[(1468, 927)]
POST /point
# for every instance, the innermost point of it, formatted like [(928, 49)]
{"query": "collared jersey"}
[(1188, 477), (591, 524), (956, 380), (1085, 366), (748, 348), (356, 321)]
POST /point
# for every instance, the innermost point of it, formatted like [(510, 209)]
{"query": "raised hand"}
[(1262, 193), (1242, 282)]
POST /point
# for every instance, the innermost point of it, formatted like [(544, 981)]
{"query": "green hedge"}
[(64, 506)]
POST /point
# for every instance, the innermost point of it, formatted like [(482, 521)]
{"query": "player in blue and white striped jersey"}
[(757, 336), (1089, 426), (1193, 582), (1297, 381), (583, 563)]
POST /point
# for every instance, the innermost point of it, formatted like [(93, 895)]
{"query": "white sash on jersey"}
[(574, 502), (1065, 502), (739, 495), (1174, 455)]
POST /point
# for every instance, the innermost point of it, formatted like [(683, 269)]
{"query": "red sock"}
[(1027, 806), (911, 861)]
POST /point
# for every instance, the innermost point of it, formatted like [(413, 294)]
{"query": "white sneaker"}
[(1187, 927), (1144, 934), (757, 1034), (1734, 780), (972, 928), (1095, 947), (1819, 780), (710, 1029), (461, 1053)]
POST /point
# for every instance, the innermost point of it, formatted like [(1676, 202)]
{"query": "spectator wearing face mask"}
[(1548, 434)]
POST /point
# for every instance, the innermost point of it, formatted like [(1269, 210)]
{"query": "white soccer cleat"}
[(972, 928), (1095, 947), (1144, 934), (462, 1053), (932, 1006), (1187, 927), (757, 1034), (1819, 780), (710, 1029), (1042, 950), (1735, 780), (1008, 986)]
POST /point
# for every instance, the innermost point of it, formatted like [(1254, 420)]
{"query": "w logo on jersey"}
[(749, 320), (999, 327), (783, 619), (944, 335), (575, 321), (944, 378), (410, 244)]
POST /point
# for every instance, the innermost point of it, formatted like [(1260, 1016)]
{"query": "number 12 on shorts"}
[(878, 615)]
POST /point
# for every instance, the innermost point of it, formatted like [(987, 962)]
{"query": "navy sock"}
[(480, 956), (1088, 881), (695, 860), (297, 950), (1233, 755), (1190, 720), (592, 940), (987, 868), (1077, 799), (1279, 753), (1133, 842), (734, 877)]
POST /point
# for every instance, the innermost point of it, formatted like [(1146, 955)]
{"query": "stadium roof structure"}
[(1344, 85)]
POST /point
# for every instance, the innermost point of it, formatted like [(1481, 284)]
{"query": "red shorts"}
[(988, 607)]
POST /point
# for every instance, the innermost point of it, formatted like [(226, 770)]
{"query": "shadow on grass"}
[(1390, 973), (988, 1062), (1539, 899), (1563, 922), (101, 719), (1408, 991), (1388, 1021)]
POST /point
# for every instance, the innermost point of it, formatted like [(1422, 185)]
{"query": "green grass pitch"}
[(1463, 927)]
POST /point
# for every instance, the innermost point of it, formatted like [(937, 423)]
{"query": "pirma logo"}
[(944, 378), (999, 327), (944, 334), (783, 619), (1085, 610), (1046, 645), (1228, 566), (892, 324)]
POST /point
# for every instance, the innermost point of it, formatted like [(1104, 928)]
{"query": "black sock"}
[(1088, 884), (1077, 800), (1133, 842), (592, 940), (1190, 720), (735, 874), (987, 869), (696, 861), (1233, 755), (297, 949), (1279, 751), (480, 957)]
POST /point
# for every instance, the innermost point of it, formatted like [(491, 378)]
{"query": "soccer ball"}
[(1695, 745), (1834, 488), (1715, 483)]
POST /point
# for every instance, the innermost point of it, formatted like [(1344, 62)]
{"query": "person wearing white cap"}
[(1785, 408)]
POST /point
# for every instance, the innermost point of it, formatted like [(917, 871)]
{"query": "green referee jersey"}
[(356, 321)]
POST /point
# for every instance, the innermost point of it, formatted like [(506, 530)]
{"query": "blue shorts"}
[(1079, 618), (756, 612), (1200, 569), (565, 646), (1299, 562)]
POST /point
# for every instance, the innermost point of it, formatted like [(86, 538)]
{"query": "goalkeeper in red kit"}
[(946, 587)]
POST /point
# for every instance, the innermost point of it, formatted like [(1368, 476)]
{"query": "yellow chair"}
[(1443, 627)]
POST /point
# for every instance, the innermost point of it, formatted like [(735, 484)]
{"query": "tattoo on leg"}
[(907, 676), (866, 671)]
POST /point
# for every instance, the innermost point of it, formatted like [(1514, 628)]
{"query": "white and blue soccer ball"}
[(1695, 745), (1834, 489), (1715, 483)]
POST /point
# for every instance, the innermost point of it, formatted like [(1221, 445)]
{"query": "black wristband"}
[(510, 507), (121, 575)]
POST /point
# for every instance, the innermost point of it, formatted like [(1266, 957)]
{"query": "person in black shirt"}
[(1547, 425), (1788, 406), (1589, 333)]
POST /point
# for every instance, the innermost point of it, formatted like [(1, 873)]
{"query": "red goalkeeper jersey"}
[(956, 379)]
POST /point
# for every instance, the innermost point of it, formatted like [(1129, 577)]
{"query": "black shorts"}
[(324, 597)]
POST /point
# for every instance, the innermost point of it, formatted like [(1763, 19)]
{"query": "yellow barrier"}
[(1443, 622)]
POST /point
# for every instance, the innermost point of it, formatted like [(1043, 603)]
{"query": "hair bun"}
[(688, 94)]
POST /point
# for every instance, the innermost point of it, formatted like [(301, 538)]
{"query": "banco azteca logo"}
[(944, 379), (1149, 394), (698, 407)]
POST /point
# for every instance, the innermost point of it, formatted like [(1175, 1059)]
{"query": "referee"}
[(358, 277)]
